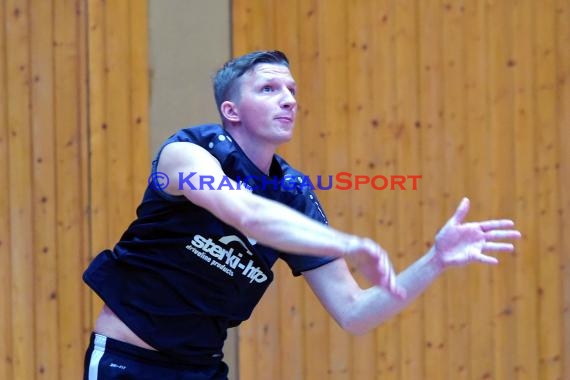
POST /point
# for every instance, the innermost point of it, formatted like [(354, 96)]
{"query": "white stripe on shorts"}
[(98, 351)]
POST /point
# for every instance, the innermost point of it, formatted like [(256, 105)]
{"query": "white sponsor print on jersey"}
[(226, 258)]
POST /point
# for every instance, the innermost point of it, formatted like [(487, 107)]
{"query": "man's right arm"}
[(267, 221)]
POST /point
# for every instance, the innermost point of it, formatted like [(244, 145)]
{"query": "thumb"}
[(460, 212)]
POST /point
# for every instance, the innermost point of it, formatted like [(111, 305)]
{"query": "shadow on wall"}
[(189, 40)]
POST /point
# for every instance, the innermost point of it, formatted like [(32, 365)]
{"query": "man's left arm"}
[(457, 244)]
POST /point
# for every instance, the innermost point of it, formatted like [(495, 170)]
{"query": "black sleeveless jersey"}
[(179, 277)]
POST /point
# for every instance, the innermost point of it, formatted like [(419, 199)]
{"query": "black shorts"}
[(108, 359)]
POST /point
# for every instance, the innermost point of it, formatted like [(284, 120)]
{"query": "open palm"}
[(459, 243)]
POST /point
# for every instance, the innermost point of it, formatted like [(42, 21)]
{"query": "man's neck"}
[(260, 153)]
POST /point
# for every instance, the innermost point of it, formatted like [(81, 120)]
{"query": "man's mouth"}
[(288, 119)]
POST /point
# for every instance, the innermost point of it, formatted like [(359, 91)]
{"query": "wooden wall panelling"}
[(5, 228), (408, 202), (524, 299), (434, 182), (19, 179), (454, 164), (98, 136), (563, 121), (477, 129), (47, 230), (483, 84), (118, 145), (138, 98), (71, 178), (385, 216), (548, 197), (44, 185), (500, 96), (82, 26)]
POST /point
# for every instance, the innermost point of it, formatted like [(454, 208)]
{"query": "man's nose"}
[(288, 101)]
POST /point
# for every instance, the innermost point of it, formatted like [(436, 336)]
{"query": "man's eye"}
[(293, 91), (267, 89)]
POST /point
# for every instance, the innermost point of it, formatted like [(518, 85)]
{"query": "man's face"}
[(267, 105)]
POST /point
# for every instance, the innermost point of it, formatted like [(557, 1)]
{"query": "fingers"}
[(502, 234), (475, 255), (492, 231), (394, 288), (486, 225), (388, 277), (399, 291), (375, 264), (486, 259), (391, 285), (496, 224), (498, 247)]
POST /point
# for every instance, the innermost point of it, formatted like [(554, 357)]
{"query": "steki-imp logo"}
[(226, 258)]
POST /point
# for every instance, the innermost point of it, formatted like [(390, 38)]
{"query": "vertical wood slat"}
[(6, 346), (500, 124), (138, 97), (383, 80), (239, 18), (70, 138), (431, 72), (563, 121), (549, 291), (408, 202), (81, 27), (99, 208), (19, 177), (454, 142), (118, 147), (45, 197), (525, 299), (476, 125), (265, 335)]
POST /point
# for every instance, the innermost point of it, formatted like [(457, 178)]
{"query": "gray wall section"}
[(189, 41)]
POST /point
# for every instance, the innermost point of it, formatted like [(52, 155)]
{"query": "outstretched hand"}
[(459, 243)]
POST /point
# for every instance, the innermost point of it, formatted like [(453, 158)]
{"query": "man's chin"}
[(284, 137)]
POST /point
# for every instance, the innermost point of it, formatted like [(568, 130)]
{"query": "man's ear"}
[(230, 112)]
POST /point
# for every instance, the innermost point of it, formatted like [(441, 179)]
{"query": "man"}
[(198, 257)]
